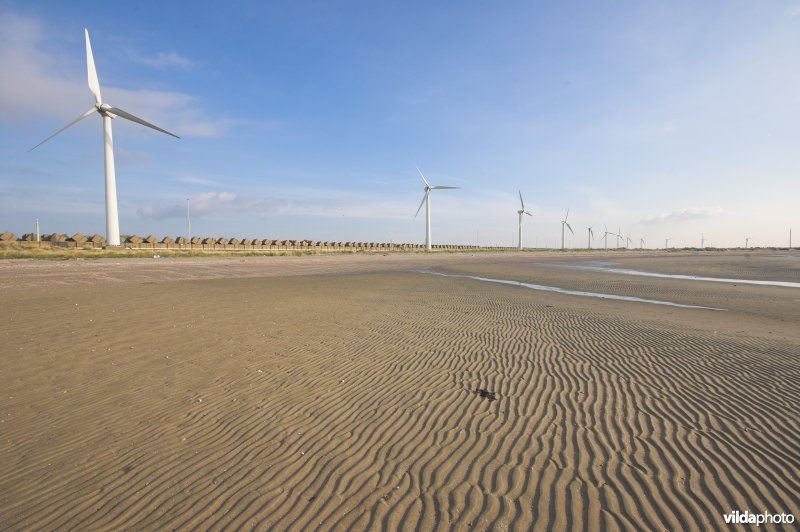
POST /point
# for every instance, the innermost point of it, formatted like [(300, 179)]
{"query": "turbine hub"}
[(103, 109)]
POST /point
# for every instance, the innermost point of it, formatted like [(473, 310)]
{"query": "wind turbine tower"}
[(565, 223), (426, 200), (666, 243), (521, 212), (702, 241), (189, 220), (107, 112), (591, 235)]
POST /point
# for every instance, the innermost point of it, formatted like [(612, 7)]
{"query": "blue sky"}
[(306, 119)]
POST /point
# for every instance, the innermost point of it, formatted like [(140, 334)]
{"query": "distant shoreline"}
[(70, 249)]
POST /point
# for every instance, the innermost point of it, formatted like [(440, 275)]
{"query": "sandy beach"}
[(367, 392)]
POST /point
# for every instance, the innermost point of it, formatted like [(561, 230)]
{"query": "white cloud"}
[(39, 82), (211, 203), (682, 215), (301, 202)]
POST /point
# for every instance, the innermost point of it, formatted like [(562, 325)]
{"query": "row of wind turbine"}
[(109, 112)]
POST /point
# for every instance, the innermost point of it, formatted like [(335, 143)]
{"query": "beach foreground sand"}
[(336, 392)]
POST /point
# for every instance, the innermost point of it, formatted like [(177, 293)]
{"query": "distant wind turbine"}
[(619, 235), (666, 243), (746, 242), (189, 220), (641, 243), (426, 200), (521, 212), (107, 112), (702, 241), (605, 237), (565, 223), (628, 241), (591, 235)]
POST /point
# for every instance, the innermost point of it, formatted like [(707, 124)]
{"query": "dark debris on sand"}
[(486, 394)]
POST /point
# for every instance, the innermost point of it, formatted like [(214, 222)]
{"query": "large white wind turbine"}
[(565, 223), (521, 212), (426, 199), (107, 112), (591, 236)]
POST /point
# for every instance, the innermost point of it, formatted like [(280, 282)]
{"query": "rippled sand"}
[(337, 392)]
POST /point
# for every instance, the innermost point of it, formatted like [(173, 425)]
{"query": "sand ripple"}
[(319, 403)]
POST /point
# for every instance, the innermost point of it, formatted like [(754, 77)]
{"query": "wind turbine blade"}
[(94, 83), (567, 216), (442, 188), (520, 200), (568, 227), (84, 115), (526, 212), (423, 177), (591, 233), (124, 114), (421, 203)]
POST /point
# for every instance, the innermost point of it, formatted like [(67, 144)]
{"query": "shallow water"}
[(570, 292), (608, 267)]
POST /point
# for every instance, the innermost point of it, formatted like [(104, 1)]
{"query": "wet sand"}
[(341, 391)]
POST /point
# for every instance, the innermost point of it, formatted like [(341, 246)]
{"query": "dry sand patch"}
[(340, 401)]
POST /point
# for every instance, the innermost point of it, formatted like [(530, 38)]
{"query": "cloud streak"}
[(166, 60), (209, 203), (297, 202), (682, 215), (192, 180)]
